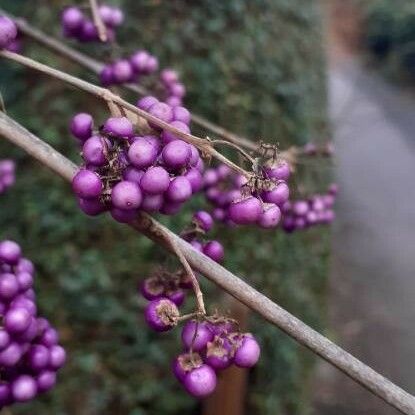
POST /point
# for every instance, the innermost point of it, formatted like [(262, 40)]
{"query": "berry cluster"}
[(129, 70), (210, 344), (316, 210), (8, 34), (312, 149), (30, 354), (7, 174), (78, 26), (236, 201), (126, 172), (164, 284), (202, 223), (133, 68)]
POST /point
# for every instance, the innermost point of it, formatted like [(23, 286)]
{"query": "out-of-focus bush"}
[(390, 36), (256, 68)]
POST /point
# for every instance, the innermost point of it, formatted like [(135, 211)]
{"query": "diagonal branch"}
[(239, 289), (96, 67), (202, 144)]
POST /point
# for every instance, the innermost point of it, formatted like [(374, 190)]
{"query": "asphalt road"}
[(372, 282)]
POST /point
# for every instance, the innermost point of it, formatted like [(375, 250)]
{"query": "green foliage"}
[(254, 67), (390, 36)]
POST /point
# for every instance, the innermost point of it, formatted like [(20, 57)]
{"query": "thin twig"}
[(195, 283), (202, 144), (270, 311), (96, 66), (236, 147), (99, 24)]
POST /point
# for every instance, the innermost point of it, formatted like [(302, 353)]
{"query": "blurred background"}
[(284, 71)]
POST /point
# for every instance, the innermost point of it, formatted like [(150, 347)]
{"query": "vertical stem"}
[(99, 24)]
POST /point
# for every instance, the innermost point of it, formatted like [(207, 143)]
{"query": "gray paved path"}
[(372, 293)]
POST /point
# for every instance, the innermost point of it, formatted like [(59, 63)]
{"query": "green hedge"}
[(390, 36), (255, 67)]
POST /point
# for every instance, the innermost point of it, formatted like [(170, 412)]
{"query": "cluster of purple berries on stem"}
[(313, 149), (130, 69), (76, 25), (202, 223), (30, 355), (305, 213), (238, 201), (210, 343), (7, 174), (126, 171)]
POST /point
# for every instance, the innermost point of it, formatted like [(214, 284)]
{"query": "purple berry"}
[(10, 355), (87, 184), (9, 286), (181, 114), (143, 152), (146, 102), (281, 171), (123, 216), (22, 302), (25, 265), (82, 125), (126, 195), (57, 357), (214, 250), (196, 335), (245, 211), (184, 363), (38, 357), (46, 380), (204, 220), (173, 101), (218, 354), (169, 76), (122, 71), (4, 339), (200, 382), (300, 207), (169, 136), (210, 178), (152, 288), (106, 76), (23, 388), (8, 31), (152, 203), (161, 314), (132, 174), (139, 61), (177, 296), (247, 353), (162, 111), (10, 252), (72, 18), (179, 190), (176, 154), (95, 150), (17, 320), (270, 217), (119, 127), (155, 180), (49, 337), (195, 178), (91, 207), (279, 195), (25, 280)]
